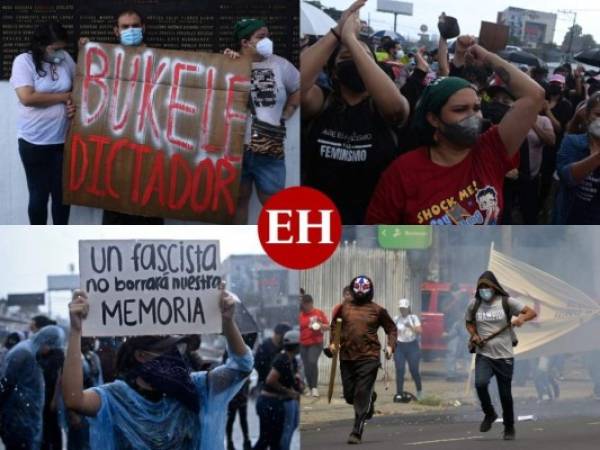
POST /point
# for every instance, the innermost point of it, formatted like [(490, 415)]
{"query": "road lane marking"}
[(443, 440), (594, 423)]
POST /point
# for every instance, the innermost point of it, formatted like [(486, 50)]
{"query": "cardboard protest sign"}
[(150, 287), (157, 133), (492, 36)]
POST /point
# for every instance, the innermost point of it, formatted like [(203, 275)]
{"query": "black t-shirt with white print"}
[(346, 149)]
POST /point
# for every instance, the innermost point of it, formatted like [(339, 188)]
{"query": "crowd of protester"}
[(453, 135), (61, 390)]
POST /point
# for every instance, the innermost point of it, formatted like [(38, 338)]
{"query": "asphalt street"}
[(560, 425)]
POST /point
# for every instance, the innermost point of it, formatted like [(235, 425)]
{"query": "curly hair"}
[(44, 35)]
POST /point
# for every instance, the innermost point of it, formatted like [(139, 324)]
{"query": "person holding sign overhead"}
[(156, 401), (43, 78)]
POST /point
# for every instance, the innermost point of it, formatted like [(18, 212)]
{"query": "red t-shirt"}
[(308, 336), (415, 190)]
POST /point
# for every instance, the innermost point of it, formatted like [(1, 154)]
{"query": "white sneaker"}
[(314, 392)]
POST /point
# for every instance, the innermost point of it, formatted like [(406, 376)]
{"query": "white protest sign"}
[(150, 287)]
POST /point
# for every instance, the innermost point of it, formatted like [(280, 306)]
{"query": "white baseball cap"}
[(404, 303)]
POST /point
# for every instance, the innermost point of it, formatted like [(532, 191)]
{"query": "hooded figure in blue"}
[(22, 389), (156, 402)]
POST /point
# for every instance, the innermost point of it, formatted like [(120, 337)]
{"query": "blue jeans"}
[(266, 172), (411, 353), (290, 423), (43, 170), (502, 369)]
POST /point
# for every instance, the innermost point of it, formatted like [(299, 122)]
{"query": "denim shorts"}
[(266, 172)]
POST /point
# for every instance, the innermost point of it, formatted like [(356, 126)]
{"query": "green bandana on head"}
[(244, 28), (435, 96)]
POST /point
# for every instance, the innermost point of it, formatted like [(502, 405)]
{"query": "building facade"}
[(531, 28)]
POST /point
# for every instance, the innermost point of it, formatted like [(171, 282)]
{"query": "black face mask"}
[(464, 133), (348, 75), (494, 111), (554, 89), (168, 374)]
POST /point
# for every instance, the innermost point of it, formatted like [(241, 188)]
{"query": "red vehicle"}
[(436, 299)]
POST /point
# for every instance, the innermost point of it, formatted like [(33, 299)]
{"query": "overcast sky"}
[(29, 254), (470, 13)]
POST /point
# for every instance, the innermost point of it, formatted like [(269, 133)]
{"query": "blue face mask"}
[(486, 294), (131, 36)]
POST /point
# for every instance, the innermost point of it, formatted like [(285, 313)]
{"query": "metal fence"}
[(392, 280)]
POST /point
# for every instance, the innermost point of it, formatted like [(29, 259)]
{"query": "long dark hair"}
[(43, 36), (125, 359), (330, 69)]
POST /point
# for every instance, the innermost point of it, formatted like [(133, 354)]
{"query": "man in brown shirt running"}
[(360, 349)]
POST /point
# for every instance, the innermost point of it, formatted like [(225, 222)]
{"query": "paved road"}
[(563, 425)]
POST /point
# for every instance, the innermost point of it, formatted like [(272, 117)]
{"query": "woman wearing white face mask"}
[(275, 95), (578, 166), (43, 78)]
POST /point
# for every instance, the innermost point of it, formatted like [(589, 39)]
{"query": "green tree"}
[(585, 42), (514, 40)]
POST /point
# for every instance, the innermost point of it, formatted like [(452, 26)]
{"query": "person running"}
[(488, 314), (156, 402), (407, 347), (360, 349), (313, 322)]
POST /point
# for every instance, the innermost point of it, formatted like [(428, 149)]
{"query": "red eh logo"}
[(299, 227)]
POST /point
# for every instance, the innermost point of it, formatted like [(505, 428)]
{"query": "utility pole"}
[(574, 14)]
